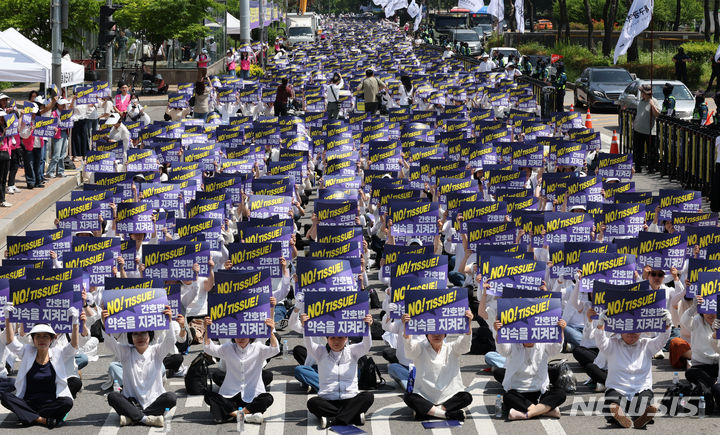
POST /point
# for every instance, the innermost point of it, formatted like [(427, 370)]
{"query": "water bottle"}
[(240, 421), (682, 402), (116, 386), (285, 349), (498, 406), (676, 378), (411, 378), (701, 407), (167, 421)]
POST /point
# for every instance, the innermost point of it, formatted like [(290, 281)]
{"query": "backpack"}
[(565, 377), (369, 377), (374, 299), (197, 378), (96, 331), (690, 391)]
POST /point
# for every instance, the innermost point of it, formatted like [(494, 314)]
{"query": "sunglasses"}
[(657, 273)]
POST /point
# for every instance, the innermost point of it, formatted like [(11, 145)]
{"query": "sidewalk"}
[(28, 205), (20, 93)]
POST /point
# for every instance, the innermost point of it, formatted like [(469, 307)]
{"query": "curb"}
[(25, 214)]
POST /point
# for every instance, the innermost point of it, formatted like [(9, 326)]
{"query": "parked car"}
[(543, 24), (684, 100), (484, 31), (506, 51), (601, 86), (469, 36)]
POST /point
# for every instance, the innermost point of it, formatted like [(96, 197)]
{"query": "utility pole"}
[(56, 44), (287, 21), (245, 21), (109, 54), (262, 31)]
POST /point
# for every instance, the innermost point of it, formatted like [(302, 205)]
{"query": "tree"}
[(716, 9), (609, 14), (531, 7), (160, 20), (32, 19), (590, 39), (706, 11), (564, 22), (676, 23)]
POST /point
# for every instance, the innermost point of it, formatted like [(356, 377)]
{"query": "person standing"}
[(559, 84), (371, 86), (202, 63), (212, 46), (701, 110), (284, 93), (715, 75), (244, 65), (681, 59), (122, 41), (668, 105), (6, 150), (486, 65), (644, 129), (332, 96), (56, 168), (230, 62), (202, 96), (122, 100)]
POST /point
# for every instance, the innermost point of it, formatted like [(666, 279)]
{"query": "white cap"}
[(510, 64), (85, 232), (611, 179), (40, 100), (3, 96), (63, 101), (113, 119), (578, 207), (42, 327), (416, 241)]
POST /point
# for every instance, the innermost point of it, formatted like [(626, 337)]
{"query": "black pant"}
[(390, 355), (173, 362), (704, 375), (372, 107), (715, 75), (218, 376), (4, 169), (639, 142), (80, 137), (422, 406), (521, 401), (342, 412), (553, 373), (585, 357), (221, 407), (27, 411), (15, 161), (634, 408), (333, 108), (280, 109), (559, 100), (681, 74), (300, 354), (74, 385), (131, 408)]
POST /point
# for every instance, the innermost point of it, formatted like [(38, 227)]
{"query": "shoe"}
[(125, 421), (169, 373), (619, 416), (10, 190), (155, 420), (181, 371), (5, 204), (49, 176), (282, 324), (659, 355), (362, 418), (645, 418), (308, 389), (255, 418), (53, 423), (458, 415), (29, 187), (323, 422), (41, 185), (599, 387), (61, 175)]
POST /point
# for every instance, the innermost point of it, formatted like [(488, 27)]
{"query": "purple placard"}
[(78, 215), (29, 247), (264, 206), (404, 284), (65, 119), (514, 272), (529, 320), (43, 301), (45, 126), (440, 311), (249, 257), (135, 310), (661, 250), (325, 275), (175, 260), (635, 311), (61, 239), (240, 304), (421, 266), (85, 95), (707, 286), (100, 161), (178, 100), (618, 269), (141, 160), (162, 195), (270, 234), (583, 190), (623, 219), (134, 217), (682, 220), (336, 212), (570, 154), (336, 313), (392, 253), (615, 166), (200, 230), (410, 218), (97, 265), (678, 200), (524, 154), (562, 227), (566, 256), (490, 233)]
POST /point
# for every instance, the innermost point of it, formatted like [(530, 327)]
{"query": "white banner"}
[(496, 8), (413, 10), (393, 6), (520, 15), (638, 19), (471, 5), (418, 19), (717, 54)]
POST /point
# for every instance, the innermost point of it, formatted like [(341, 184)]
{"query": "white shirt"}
[(243, 367), (397, 327), (405, 96), (120, 134), (437, 375), (338, 370), (143, 373), (194, 297), (526, 367), (28, 352), (701, 335), (629, 366), (332, 93), (487, 66)]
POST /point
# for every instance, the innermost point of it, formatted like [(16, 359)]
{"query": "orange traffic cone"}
[(588, 121), (572, 109), (614, 149), (709, 118)]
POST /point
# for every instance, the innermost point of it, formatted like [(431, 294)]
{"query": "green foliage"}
[(256, 71), (700, 51), (5, 85), (663, 12), (32, 19), (495, 40), (278, 29)]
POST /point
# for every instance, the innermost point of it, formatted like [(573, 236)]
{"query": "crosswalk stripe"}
[(111, 425), (275, 415), (380, 420), (552, 427), (194, 401), (480, 413), (312, 422), (161, 430), (4, 412)]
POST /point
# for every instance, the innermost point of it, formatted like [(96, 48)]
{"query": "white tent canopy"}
[(18, 67), (72, 73), (233, 24)]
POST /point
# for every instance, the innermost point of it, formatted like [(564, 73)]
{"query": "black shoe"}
[(40, 185), (458, 415), (53, 423), (29, 187)]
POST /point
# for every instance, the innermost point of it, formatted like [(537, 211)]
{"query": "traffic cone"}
[(572, 109), (614, 149), (709, 118), (588, 121)]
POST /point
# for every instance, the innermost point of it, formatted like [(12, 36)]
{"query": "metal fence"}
[(686, 150)]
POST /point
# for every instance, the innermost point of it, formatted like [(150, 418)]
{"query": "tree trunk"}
[(609, 13), (716, 19), (706, 10), (564, 23), (676, 23), (590, 40), (155, 47), (531, 8), (511, 14)]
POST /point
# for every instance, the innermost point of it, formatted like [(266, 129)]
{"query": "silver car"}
[(470, 37), (684, 100)]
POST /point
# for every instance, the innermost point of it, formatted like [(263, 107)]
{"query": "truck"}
[(302, 28)]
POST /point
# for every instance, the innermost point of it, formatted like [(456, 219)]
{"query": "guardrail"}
[(686, 150)]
